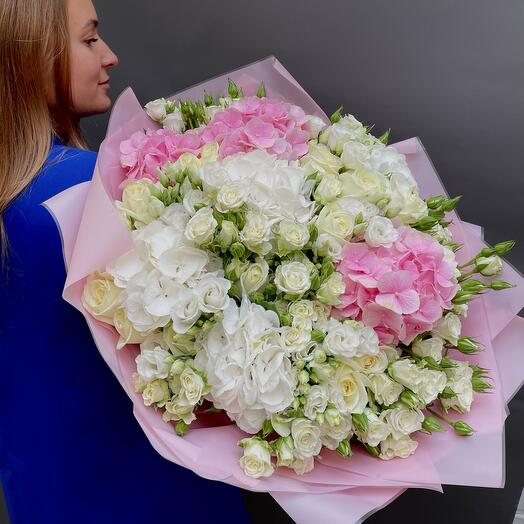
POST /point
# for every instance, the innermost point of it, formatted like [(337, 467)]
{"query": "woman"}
[(70, 449)]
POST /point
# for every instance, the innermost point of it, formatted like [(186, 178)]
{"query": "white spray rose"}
[(369, 364), (316, 401), (314, 125), (403, 421), (333, 434), (256, 233), (231, 197), (179, 409), (448, 328), (319, 159), (378, 429), (330, 291), (342, 341), (156, 110), (101, 297), (212, 291), (335, 221), (151, 364), (256, 460), (433, 382), (128, 335), (284, 451), (301, 466), (255, 276), (193, 199), (365, 184), (430, 347), (292, 278), (306, 437), (174, 122), (386, 391), (156, 392), (191, 386), (459, 380), (295, 338), (402, 447), (380, 232), (139, 203), (201, 226), (348, 390), (329, 189), (292, 236)]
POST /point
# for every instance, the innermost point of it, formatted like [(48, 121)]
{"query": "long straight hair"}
[(35, 94)]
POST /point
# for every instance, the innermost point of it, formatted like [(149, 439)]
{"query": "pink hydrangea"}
[(251, 123), (400, 291)]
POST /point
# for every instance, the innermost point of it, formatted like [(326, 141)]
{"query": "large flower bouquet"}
[(282, 271)]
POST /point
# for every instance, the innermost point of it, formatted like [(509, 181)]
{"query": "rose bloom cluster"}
[(285, 272)]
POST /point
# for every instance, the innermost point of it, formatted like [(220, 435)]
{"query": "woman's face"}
[(91, 58)]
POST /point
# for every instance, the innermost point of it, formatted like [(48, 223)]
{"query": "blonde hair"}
[(34, 68)]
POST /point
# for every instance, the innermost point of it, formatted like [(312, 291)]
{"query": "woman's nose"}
[(109, 58)]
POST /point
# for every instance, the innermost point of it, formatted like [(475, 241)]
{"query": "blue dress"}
[(70, 448)]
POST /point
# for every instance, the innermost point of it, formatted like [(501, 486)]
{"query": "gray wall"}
[(449, 71)]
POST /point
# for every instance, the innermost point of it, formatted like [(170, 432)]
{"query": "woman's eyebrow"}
[(91, 24)]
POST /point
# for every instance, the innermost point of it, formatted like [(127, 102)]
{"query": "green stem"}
[(441, 417), (468, 263), (466, 275)]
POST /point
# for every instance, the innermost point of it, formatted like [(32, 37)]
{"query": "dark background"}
[(449, 71)]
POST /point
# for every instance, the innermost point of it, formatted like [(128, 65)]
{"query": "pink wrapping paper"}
[(338, 490)]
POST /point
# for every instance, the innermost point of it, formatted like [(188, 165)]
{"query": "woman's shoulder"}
[(65, 167)]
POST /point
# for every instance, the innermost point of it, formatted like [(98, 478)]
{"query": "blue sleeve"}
[(70, 448)]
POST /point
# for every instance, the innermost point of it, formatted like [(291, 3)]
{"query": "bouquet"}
[(282, 272)]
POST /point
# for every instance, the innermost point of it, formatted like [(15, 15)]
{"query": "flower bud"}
[(449, 205), (318, 336), (303, 377), (410, 399), (447, 363), (479, 385), (181, 428), (431, 425), (372, 450), (337, 115), (447, 392), (285, 319), (319, 356), (300, 364), (332, 416), (235, 268), (473, 286), (208, 99), (228, 234), (344, 448), (232, 89), (463, 429), (467, 346), (478, 371), (320, 418), (489, 266), (304, 389), (360, 422), (499, 285), (177, 367), (435, 202), (261, 93), (237, 250)]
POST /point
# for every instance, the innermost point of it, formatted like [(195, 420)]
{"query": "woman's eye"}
[(91, 41)]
